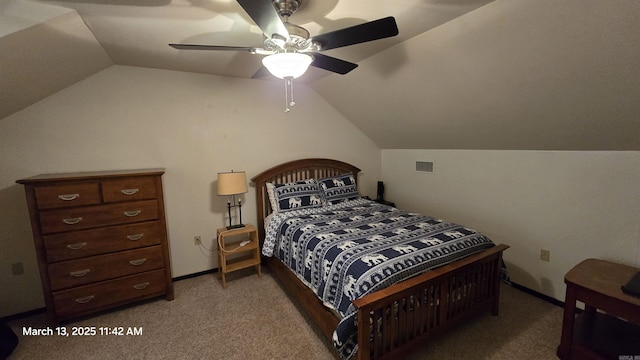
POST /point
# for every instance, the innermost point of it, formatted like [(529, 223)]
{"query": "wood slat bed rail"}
[(403, 316)]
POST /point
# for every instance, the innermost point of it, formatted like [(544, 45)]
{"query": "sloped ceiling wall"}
[(520, 75), (43, 49), (512, 74)]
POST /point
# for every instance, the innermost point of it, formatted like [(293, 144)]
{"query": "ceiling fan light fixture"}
[(283, 65)]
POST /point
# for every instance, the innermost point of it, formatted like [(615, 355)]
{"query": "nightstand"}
[(238, 249), (600, 332)]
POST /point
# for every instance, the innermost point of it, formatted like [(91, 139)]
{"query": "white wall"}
[(578, 205), (191, 124)]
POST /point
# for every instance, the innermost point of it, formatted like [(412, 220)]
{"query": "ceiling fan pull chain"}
[(288, 93)]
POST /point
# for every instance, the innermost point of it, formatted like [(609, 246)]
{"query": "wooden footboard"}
[(393, 321)]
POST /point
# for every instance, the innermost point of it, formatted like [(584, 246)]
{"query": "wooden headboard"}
[(291, 171)]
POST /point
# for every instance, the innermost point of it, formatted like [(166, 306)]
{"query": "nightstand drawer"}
[(129, 189), (77, 244), (54, 221), (86, 299), (58, 196), (71, 273)]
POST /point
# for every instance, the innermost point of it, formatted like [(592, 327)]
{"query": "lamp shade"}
[(232, 183), (284, 65)]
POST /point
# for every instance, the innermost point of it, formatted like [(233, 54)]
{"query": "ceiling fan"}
[(291, 50)]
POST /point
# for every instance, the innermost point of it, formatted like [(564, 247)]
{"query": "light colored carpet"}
[(254, 319)]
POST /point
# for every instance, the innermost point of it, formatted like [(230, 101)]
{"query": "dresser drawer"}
[(89, 298), (78, 272), (77, 244), (53, 221), (129, 189), (58, 196)]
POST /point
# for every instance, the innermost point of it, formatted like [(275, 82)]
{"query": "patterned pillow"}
[(297, 195), (336, 189)]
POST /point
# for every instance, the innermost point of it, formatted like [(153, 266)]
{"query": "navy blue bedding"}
[(345, 251)]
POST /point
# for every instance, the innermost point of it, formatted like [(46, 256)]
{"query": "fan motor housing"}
[(286, 8), (298, 36), (296, 31)]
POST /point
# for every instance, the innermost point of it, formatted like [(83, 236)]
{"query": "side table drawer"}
[(129, 189), (59, 196), (94, 297), (84, 243), (72, 273), (54, 221)]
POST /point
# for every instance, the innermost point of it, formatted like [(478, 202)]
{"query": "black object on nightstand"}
[(380, 196)]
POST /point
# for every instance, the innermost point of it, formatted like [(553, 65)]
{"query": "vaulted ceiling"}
[(462, 74)]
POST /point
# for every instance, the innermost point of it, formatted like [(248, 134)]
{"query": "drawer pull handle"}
[(72, 221), (135, 237), (85, 299), (68, 197), (129, 191), (77, 246), (80, 273), (137, 262), (132, 213), (141, 286)]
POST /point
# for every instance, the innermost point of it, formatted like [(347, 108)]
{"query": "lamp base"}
[(236, 226)]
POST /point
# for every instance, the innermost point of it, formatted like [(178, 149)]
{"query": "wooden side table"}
[(609, 326), (232, 242)]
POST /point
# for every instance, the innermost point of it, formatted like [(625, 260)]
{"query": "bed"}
[(379, 317)]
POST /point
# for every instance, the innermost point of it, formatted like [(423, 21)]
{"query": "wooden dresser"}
[(100, 238)]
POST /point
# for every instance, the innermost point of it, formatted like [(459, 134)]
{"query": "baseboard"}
[(189, 276), (23, 315), (537, 294)]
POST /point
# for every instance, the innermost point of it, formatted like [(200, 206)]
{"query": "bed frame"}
[(395, 320)]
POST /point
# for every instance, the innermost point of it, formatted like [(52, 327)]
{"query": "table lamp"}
[(232, 184)]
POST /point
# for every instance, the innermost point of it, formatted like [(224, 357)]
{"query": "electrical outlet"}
[(545, 254), (197, 240)]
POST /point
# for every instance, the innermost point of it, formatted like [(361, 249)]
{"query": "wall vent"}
[(424, 166)]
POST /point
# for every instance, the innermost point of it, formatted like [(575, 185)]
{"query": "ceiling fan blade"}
[(373, 30), (264, 14), (252, 50), (332, 64)]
